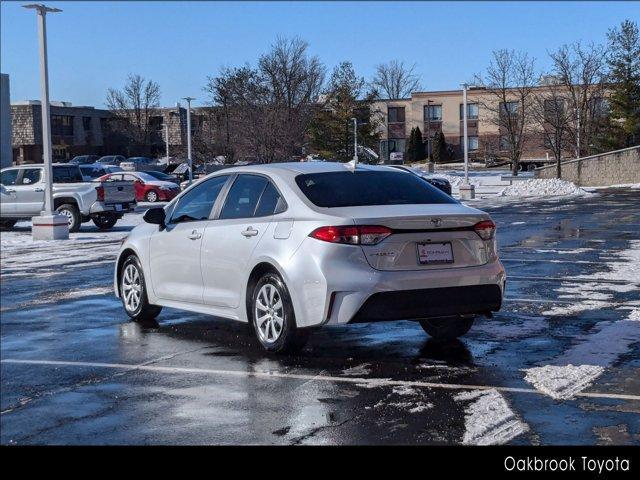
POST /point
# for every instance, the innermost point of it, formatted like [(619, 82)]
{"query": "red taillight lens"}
[(485, 229), (352, 235), (100, 191)]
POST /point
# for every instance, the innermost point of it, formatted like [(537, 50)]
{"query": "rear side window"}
[(361, 188), (9, 177), (270, 202), (243, 197), (197, 203), (30, 176), (66, 175)]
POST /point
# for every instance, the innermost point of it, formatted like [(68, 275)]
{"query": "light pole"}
[(429, 129), (188, 99), (355, 140), (48, 226), (466, 191), (166, 139)]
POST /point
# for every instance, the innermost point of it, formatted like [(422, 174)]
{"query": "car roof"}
[(302, 167)]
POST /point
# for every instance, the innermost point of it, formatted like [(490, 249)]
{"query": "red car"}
[(148, 188)]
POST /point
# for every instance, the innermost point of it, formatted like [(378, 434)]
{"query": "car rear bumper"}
[(100, 207)]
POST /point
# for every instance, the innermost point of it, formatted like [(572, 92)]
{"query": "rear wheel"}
[(152, 196), (7, 224), (105, 221), (273, 318), (447, 328), (73, 215), (133, 291)]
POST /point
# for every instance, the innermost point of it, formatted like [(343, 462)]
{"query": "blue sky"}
[(94, 45)]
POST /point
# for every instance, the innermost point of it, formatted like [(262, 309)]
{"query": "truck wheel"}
[(7, 224), (446, 328), (273, 318), (71, 212), (151, 196), (105, 221)]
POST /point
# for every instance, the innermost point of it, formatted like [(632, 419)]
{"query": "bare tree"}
[(550, 110), (581, 73), (510, 82), (133, 106), (395, 80)]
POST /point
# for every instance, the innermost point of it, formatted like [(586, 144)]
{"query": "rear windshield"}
[(359, 188)]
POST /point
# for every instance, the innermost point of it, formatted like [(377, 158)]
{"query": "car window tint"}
[(243, 196), (197, 203), (270, 202), (9, 177), (30, 176), (366, 187), (66, 175)]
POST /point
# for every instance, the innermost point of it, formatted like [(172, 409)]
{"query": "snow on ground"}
[(562, 382), (488, 418), (542, 187), (21, 256), (358, 370), (59, 296)]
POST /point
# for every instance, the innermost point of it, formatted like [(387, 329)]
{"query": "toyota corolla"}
[(289, 247)]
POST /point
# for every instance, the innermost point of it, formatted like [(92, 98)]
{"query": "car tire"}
[(7, 224), (273, 318), (443, 329), (152, 196), (71, 212), (105, 221), (133, 291)]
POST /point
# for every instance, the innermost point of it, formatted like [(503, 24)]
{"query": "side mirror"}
[(155, 216)]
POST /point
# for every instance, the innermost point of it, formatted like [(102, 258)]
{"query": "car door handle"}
[(39, 190), (195, 235), (250, 232)]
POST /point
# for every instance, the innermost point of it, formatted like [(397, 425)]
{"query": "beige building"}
[(442, 111)]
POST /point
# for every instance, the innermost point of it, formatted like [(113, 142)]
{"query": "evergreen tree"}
[(624, 65), (439, 147), (415, 148)]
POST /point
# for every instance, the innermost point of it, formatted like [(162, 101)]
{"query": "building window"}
[(553, 109), (509, 108), (395, 115), (505, 142), (87, 124), (599, 106), (473, 142), (433, 113), (472, 111), (62, 125)]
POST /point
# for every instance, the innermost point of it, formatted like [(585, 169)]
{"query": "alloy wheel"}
[(131, 288), (269, 313)]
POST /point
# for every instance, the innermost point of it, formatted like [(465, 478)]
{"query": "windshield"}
[(145, 177), (160, 175), (360, 188)]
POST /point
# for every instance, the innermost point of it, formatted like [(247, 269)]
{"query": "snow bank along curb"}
[(538, 187)]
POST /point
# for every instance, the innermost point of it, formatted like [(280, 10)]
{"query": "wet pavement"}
[(560, 364)]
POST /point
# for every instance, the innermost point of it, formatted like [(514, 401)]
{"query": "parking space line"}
[(569, 279), (326, 378), (548, 260)]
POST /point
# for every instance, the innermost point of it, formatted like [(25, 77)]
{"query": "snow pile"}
[(542, 187), (564, 382), (488, 419)]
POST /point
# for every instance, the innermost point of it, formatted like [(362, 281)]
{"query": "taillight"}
[(352, 235), (485, 229), (100, 191)]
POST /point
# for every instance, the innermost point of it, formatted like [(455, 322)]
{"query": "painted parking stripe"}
[(371, 382), (546, 260), (569, 279)]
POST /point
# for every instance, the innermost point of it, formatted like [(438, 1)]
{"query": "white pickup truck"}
[(22, 196)]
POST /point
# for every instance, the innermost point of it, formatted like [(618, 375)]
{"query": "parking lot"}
[(560, 363)]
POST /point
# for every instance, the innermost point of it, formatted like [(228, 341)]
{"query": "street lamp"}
[(466, 191), (188, 99), (47, 226), (355, 140)]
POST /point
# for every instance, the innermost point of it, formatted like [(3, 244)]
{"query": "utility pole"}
[(48, 226), (188, 99), (466, 191)]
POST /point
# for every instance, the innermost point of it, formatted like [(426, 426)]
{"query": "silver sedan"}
[(292, 246)]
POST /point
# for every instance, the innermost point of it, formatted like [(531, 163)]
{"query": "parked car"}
[(22, 194), (84, 159), (96, 170), (147, 187), (111, 160), (291, 246), (134, 164), (438, 182)]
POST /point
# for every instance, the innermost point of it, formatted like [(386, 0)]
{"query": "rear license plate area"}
[(434, 253)]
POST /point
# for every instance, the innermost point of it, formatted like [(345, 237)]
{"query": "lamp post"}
[(188, 99), (429, 129), (48, 226), (166, 139), (355, 140), (466, 191)]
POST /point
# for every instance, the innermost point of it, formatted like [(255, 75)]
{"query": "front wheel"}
[(273, 317), (105, 221), (7, 224), (133, 291), (446, 328)]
